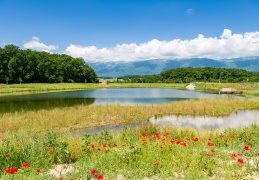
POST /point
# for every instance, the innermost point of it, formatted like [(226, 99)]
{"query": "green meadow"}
[(43, 145)]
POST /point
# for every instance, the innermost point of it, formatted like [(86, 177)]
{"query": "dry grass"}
[(65, 120)]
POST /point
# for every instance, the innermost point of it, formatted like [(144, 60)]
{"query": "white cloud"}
[(229, 45), (227, 33), (35, 44)]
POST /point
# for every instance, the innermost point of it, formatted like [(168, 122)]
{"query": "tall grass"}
[(80, 117)]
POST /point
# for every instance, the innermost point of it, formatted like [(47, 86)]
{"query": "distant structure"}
[(105, 82), (229, 91), (190, 86)]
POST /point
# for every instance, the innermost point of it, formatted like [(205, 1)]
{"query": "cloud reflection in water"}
[(235, 120)]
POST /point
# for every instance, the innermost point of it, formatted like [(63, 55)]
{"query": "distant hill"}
[(148, 67)]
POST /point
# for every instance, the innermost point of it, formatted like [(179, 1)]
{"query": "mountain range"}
[(156, 66)]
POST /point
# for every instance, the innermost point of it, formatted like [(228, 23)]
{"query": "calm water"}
[(235, 120), (124, 96)]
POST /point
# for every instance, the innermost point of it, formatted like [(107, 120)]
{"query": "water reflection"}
[(123, 96), (235, 120), (17, 105)]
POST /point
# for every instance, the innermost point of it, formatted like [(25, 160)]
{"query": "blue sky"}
[(132, 29)]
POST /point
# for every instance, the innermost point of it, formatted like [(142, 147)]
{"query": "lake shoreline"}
[(20, 89)]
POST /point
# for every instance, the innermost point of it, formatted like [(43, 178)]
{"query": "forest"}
[(27, 66), (202, 74)]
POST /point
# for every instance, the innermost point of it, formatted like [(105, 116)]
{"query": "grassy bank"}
[(251, 89), (63, 120), (19, 89)]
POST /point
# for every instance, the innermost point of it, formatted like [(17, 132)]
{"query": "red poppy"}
[(60, 178), (195, 139), (166, 134), (100, 177), (132, 147), (145, 135), (240, 161), (92, 145), (38, 171), (258, 154), (11, 170), (98, 149), (104, 145), (156, 163), (115, 145), (6, 153), (93, 172), (25, 165), (183, 144), (161, 147), (246, 148), (212, 150), (220, 136), (210, 143), (234, 155), (172, 141), (208, 155)]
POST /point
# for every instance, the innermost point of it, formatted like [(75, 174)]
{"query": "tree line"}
[(27, 66), (202, 74)]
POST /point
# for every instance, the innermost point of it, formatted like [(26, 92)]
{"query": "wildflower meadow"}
[(148, 152)]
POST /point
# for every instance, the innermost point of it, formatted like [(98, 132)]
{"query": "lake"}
[(123, 96)]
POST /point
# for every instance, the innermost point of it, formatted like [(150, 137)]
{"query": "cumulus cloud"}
[(35, 44), (228, 45)]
